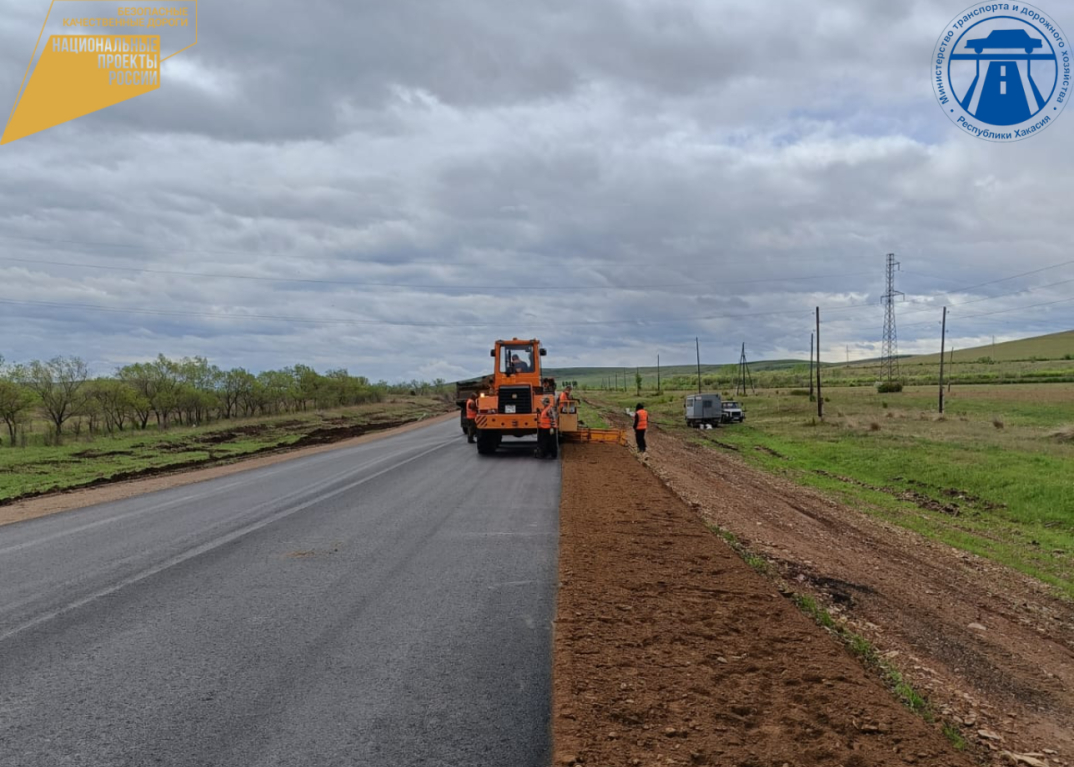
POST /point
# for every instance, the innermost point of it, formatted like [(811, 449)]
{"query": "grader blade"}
[(570, 430), (583, 434)]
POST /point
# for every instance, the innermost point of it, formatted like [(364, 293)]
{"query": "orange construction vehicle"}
[(511, 405), (513, 399)]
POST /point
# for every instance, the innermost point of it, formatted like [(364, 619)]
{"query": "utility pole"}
[(943, 337), (848, 354), (637, 379), (889, 363), (658, 374), (820, 399), (744, 374), (951, 362), (810, 367), (697, 345)]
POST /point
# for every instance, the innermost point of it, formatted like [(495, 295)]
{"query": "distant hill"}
[(1054, 346)]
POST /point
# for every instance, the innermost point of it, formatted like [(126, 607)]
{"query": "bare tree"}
[(15, 402), (57, 383)]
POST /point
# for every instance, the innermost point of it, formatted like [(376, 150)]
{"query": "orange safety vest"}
[(471, 408), (563, 398), (544, 419), (643, 420)]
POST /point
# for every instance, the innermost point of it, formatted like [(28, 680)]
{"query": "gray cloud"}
[(688, 163)]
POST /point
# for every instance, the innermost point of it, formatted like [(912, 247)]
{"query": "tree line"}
[(189, 391)]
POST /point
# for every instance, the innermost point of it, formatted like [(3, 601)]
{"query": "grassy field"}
[(1055, 346), (993, 476), (35, 470), (1042, 359)]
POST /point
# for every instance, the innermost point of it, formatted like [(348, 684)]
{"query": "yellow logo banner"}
[(78, 72)]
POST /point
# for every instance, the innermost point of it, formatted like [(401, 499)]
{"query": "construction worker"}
[(519, 365), (471, 418), (546, 424), (641, 423), (564, 399)]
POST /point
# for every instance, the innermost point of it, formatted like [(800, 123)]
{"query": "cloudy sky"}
[(389, 186)]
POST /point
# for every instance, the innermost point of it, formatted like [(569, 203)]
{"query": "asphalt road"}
[(385, 604)]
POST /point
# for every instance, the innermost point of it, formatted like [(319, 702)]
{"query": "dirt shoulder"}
[(669, 649), (991, 649), (79, 498)]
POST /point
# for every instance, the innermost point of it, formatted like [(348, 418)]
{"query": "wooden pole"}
[(697, 345), (820, 397), (810, 367), (658, 374), (943, 337)]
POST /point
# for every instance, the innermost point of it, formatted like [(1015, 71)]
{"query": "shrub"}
[(997, 423), (887, 387), (874, 426), (799, 392)]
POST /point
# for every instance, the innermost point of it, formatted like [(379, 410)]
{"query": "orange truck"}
[(515, 394)]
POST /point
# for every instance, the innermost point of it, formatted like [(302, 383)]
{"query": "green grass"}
[(809, 606), (954, 736), (591, 416), (758, 563), (1053, 346), (1006, 494), (80, 462)]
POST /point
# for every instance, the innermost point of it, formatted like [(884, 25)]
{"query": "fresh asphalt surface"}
[(384, 604)]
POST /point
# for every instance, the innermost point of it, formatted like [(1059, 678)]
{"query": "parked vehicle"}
[(703, 410), (732, 412)]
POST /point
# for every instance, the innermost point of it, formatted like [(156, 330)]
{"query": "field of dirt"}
[(118, 488), (992, 650), (670, 649)]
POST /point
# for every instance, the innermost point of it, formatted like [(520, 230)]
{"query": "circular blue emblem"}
[(1001, 71)]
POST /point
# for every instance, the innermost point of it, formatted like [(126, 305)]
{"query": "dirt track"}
[(990, 648), (670, 650)]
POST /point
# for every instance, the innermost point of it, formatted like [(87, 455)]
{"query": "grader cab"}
[(516, 395)]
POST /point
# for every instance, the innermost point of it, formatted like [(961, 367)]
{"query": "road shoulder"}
[(55, 503)]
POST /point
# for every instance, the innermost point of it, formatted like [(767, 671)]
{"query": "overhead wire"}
[(420, 286)]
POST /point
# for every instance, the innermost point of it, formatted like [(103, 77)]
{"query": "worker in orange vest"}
[(471, 417), (546, 435), (641, 423), (564, 399)]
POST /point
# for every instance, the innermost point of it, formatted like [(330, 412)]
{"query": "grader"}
[(516, 394)]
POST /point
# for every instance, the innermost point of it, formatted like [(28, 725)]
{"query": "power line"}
[(306, 320), (998, 311), (418, 286)]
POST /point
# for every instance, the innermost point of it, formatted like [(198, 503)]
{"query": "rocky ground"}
[(991, 650), (670, 649)]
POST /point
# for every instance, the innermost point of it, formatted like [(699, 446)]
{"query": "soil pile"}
[(991, 649), (669, 649)]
